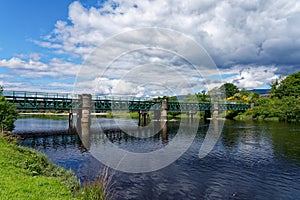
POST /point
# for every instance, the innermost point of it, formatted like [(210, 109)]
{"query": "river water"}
[(251, 160)]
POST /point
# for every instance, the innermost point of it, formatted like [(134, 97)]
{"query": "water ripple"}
[(250, 161)]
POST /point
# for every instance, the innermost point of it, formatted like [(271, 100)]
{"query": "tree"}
[(203, 96), (290, 86), (274, 86), (285, 109), (8, 114), (229, 89), (244, 96)]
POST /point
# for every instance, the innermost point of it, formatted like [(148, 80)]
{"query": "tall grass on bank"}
[(99, 189)]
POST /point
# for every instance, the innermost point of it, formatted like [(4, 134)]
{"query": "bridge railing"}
[(41, 101), (37, 94), (189, 106), (121, 98), (233, 106), (123, 105), (61, 101)]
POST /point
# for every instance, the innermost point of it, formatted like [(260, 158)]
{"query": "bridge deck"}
[(46, 101)]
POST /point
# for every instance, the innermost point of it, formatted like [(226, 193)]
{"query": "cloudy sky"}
[(52, 45)]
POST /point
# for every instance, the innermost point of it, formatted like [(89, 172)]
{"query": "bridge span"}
[(84, 104)]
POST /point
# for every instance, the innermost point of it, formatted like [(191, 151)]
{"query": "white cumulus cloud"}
[(250, 41)]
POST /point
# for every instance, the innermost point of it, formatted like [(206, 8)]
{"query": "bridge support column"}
[(70, 119), (216, 110), (207, 114), (142, 118), (145, 118), (83, 130), (163, 113), (191, 115), (164, 133), (84, 119), (86, 108)]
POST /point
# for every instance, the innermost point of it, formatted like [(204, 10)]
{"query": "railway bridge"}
[(84, 104)]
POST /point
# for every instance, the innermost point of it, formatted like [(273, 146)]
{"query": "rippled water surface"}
[(251, 160)]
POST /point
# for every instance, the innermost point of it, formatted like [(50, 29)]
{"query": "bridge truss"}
[(37, 101)]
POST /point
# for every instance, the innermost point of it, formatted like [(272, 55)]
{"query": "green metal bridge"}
[(38, 101)]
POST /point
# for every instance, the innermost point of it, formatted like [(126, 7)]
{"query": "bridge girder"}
[(44, 101)]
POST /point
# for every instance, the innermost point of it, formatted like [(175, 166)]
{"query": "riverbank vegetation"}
[(283, 104), (27, 174), (8, 114)]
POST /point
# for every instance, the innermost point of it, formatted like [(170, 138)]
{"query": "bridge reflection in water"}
[(120, 131), (156, 130)]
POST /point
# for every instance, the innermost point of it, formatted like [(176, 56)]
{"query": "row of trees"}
[(227, 91), (283, 103), (8, 114)]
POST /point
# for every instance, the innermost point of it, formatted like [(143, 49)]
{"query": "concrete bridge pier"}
[(83, 130), (70, 119), (84, 119), (164, 113), (140, 118), (216, 110), (143, 118), (164, 134), (191, 115), (86, 106), (161, 115), (214, 113)]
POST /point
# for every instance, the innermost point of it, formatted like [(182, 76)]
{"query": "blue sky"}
[(22, 21), (43, 44)]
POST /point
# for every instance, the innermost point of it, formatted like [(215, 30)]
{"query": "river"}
[(251, 160)]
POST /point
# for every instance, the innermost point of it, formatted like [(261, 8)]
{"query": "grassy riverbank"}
[(27, 174)]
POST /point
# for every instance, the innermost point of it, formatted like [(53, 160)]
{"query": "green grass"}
[(98, 189), (248, 117), (122, 114), (184, 116), (26, 174)]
